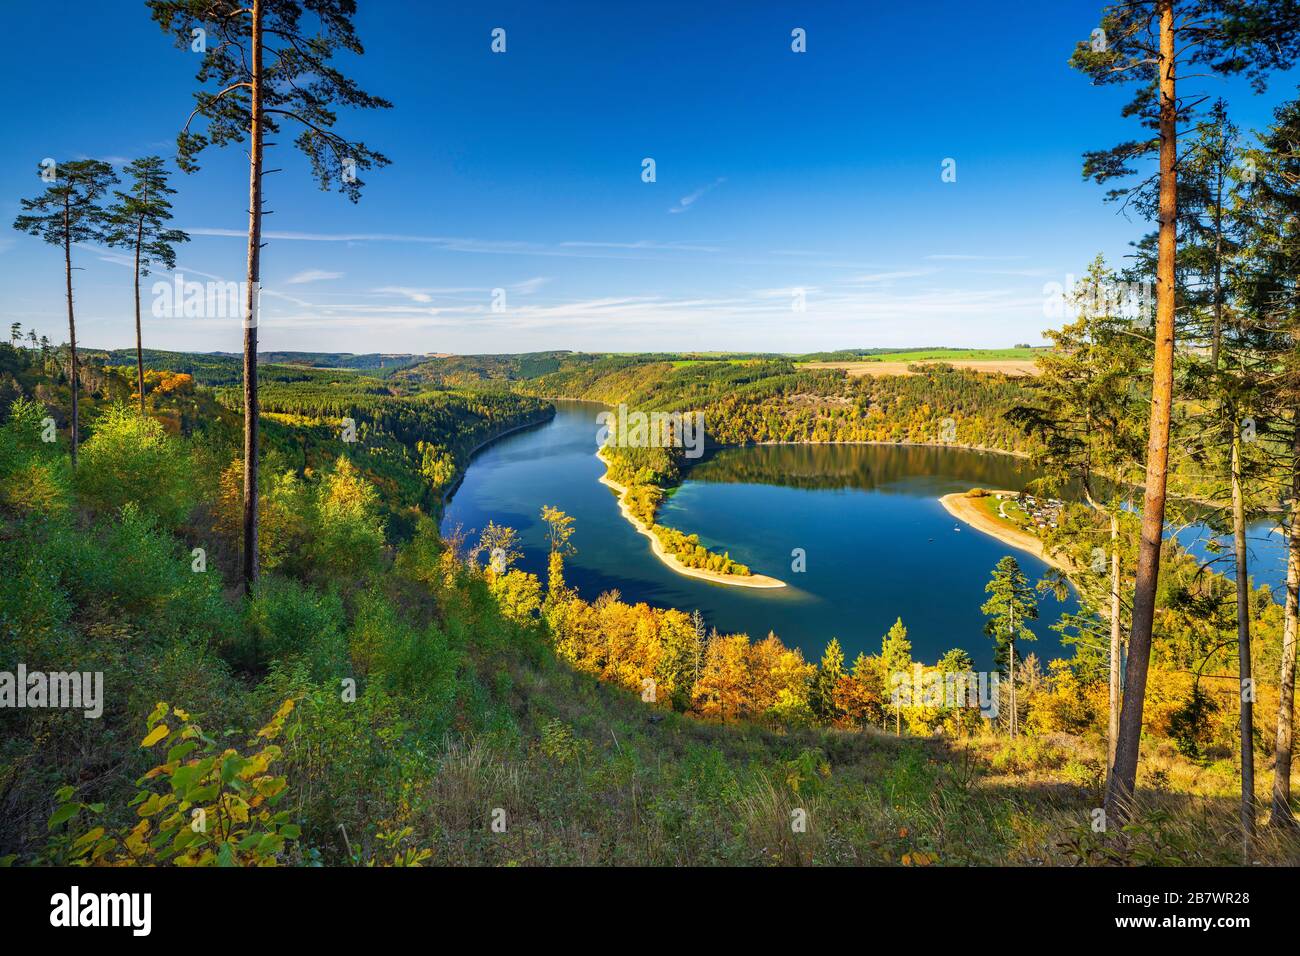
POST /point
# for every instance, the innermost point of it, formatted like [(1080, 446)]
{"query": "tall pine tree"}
[(71, 211), (1012, 604), (1148, 42), (264, 69), (140, 218), (1085, 409)]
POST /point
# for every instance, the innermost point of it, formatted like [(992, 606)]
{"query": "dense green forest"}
[(765, 401), (217, 368)]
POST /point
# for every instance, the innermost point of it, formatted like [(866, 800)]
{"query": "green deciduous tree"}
[(559, 529)]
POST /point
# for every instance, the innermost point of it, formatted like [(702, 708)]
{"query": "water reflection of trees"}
[(857, 466)]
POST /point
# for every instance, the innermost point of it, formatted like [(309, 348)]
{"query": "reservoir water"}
[(877, 543)]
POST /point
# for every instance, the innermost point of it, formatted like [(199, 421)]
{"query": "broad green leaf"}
[(180, 750), (63, 814), (203, 794)]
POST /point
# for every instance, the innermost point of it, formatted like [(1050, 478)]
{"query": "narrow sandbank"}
[(968, 510), (735, 580)]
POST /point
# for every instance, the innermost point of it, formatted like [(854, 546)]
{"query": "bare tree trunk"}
[(1281, 814), (72, 322), (1011, 669), (139, 347), (1116, 686), (252, 304), (1116, 645), (1122, 780), (1217, 335), (1243, 654)]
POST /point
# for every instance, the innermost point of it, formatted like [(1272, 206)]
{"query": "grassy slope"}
[(684, 792)]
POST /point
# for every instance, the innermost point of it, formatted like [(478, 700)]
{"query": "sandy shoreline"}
[(735, 580), (968, 510)]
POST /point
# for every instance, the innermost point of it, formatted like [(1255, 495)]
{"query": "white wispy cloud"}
[(312, 275), (374, 309), (1026, 273), (426, 294), (645, 244), (785, 292), (972, 258), (529, 286), (111, 160), (415, 295), (865, 301), (873, 277), (575, 249), (687, 201)]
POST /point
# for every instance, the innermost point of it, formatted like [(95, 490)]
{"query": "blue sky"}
[(521, 171)]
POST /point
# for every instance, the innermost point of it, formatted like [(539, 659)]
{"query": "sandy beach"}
[(735, 580), (968, 510)]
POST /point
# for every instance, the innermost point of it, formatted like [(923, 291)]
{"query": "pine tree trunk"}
[(1116, 645), (251, 316), (1216, 336), (1122, 780), (1011, 666), (72, 322), (1281, 814), (1243, 654), (139, 347)]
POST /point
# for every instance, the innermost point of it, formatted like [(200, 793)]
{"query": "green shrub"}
[(35, 475), (418, 664), (130, 458), (34, 601), (145, 575), (287, 620)]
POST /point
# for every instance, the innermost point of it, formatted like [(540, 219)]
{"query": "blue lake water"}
[(1265, 552), (878, 543)]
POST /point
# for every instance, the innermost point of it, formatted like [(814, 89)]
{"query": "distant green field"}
[(876, 355), (942, 355), (678, 363)]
